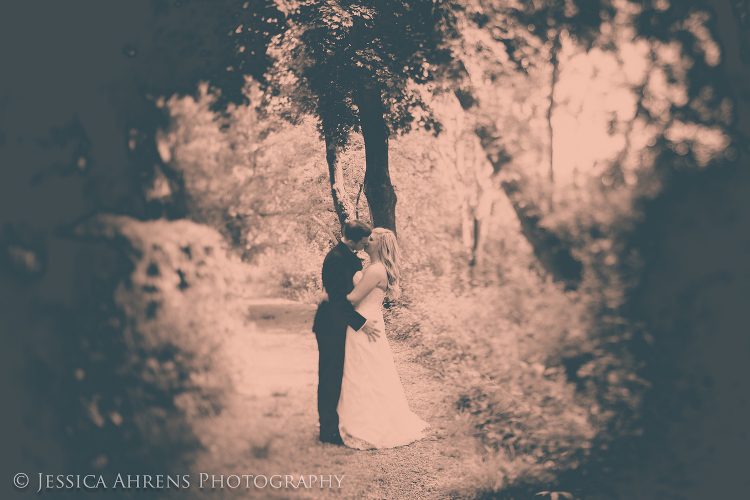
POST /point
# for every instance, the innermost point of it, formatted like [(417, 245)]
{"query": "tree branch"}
[(333, 238)]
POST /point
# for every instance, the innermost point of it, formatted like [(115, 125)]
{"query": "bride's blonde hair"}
[(389, 255)]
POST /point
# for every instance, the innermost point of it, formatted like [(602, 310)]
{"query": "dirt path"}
[(270, 424)]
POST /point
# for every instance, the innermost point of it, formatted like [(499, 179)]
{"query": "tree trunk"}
[(467, 224), (555, 64), (553, 252), (482, 213), (341, 201), (377, 186)]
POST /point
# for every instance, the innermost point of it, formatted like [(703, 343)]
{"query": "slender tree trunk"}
[(485, 200), (377, 186), (341, 202), (553, 82), (467, 235), (482, 213), (555, 63)]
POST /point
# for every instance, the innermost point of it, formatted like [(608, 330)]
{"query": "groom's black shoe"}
[(333, 439)]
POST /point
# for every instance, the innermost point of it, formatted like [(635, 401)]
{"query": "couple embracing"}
[(361, 403)]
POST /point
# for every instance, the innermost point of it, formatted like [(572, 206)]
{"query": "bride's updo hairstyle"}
[(389, 255)]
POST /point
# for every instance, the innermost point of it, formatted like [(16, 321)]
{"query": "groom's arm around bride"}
[(337, 281), (339, 268)]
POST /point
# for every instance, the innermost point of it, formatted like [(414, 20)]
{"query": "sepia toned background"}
[(571, 181)]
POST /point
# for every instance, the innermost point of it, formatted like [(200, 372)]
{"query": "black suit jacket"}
[(333, 316)]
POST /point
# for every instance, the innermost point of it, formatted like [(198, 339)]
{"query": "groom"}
[(331, 320)]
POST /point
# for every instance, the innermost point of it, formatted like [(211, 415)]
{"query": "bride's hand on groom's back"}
[(324, 296), (370, 329)]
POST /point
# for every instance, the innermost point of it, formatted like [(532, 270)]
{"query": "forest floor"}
[(269, 424)]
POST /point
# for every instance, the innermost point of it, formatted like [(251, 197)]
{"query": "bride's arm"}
[(373, 276)]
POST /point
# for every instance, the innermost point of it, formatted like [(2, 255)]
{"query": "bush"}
[(147, 364)]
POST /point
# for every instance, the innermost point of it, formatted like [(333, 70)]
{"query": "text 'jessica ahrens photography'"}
[(184, 481)]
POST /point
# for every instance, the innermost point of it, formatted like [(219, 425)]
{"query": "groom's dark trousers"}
[(331, 320)]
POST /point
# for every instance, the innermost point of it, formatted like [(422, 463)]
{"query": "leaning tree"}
[(498, 36), (494, 38)]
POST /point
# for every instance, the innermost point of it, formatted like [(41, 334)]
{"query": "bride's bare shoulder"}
[(377, 269)]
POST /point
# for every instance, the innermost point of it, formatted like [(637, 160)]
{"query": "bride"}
[(373, 411)]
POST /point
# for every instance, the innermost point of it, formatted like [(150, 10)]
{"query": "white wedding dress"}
[(373, 411)]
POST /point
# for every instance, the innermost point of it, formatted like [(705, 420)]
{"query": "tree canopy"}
[(339, 49)]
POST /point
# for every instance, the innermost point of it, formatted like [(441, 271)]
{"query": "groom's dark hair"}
[(355, 230)]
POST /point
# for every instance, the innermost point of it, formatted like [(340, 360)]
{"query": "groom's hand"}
[(371, 331)]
